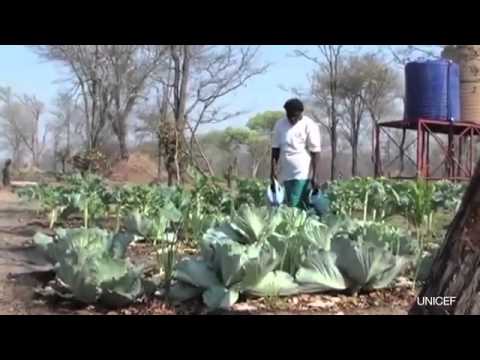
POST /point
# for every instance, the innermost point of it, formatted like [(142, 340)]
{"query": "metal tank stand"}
[(458, 153)]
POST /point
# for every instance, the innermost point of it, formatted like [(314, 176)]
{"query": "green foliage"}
[(250, 191), (448, 195), (383, 198), (213, 138), (153, 229), (87, 195), (417, 202), (265, 122), (245, 248), (388, 237), (92, 265), (366, 266), (235, 137), (54, 200), (266, 252), (210, 197), (374, 198)]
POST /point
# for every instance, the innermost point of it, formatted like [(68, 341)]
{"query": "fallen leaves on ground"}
[(387, 301)]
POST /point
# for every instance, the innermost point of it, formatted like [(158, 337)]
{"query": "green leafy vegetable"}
[(91, 265)]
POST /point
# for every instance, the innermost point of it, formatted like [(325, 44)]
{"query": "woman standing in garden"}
[(296, 149)]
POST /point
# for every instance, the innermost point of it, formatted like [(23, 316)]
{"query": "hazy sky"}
[(22, 70), (25, 72)]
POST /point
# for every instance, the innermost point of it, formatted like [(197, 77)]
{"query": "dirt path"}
[(17, 256)]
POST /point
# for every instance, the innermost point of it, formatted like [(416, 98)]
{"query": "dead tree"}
[(380, 93), (65, 126), (201, 76), (325, 92), (11, 115), (352, 85), (111, 79)]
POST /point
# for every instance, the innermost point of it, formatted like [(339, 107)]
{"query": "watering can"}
[(275, 194), (319, 202)]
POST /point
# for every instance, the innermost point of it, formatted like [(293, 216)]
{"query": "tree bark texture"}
[(355, 157), (333, 145), (456, 269)]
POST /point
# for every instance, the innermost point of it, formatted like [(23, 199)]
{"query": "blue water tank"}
[(432, 90)]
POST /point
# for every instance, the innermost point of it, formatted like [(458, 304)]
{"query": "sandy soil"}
[(17, 226)]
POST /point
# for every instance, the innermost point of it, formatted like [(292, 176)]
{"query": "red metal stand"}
[(458, 154)]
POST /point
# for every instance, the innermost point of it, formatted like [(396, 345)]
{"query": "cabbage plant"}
[(91, 265), (265, 252)]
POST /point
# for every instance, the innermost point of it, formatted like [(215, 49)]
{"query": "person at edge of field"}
[(6, 173), (296, 146)]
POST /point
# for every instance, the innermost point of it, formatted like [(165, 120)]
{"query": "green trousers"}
[(297, 192)]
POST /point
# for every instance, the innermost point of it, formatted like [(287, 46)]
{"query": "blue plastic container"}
[(432, 90)]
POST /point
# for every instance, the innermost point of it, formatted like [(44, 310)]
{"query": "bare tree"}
[(324, 91), (153, 117), (201, 76), (31, 134), (110, 79), (381, 90), (21, 118), (181, 56), (402, 55), (258, 147), (11, 114), (131, 68), (352, 114), (67, 127), (86, 64)]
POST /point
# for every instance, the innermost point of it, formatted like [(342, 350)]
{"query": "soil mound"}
[(139, 169)]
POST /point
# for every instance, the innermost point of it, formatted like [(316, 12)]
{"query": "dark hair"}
[(293, 105)]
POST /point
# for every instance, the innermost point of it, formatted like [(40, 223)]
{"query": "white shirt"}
[(296, 142)]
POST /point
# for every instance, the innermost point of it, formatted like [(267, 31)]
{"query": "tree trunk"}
[(456, 270), (55, 152), (354, 158), (333, 164), (203, 155), (180, 85), (67, 150), (258, 162), (387, 151), (119, 126), (159, 156), (163, 121), (376, 159), (235, 167), (122, 142), (402, 152), (171, 175), (255, 167), (229, 175)]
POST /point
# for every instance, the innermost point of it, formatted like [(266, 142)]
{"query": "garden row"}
[(244, 248)]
